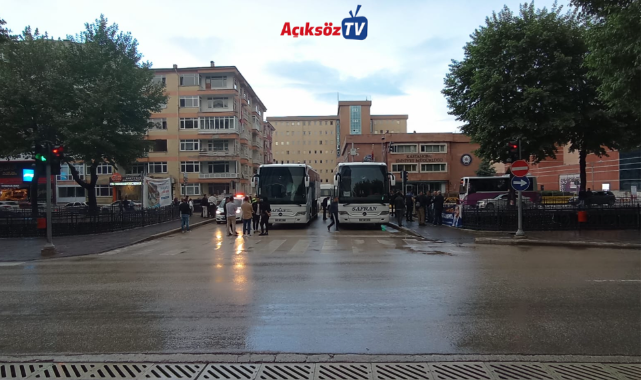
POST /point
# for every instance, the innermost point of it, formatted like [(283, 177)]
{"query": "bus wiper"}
[(347, 204)]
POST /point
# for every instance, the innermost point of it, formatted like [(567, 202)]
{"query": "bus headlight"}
[(301, 213), (342, 212), (384, 212)]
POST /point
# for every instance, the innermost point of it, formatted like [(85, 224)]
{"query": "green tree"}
[(523, 78), (113, 97), (615, 53), (485, 169), (5, 34)]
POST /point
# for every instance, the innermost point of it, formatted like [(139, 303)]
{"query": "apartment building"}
[(316, 140)]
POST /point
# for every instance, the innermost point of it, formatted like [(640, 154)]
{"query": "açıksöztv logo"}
[(353, 28)]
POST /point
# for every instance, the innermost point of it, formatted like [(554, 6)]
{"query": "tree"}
[(485, 169), (523, 78), (113, 97), (615, 53), (4, 32)]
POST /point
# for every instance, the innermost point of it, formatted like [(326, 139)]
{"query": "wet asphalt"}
[(304, 290)]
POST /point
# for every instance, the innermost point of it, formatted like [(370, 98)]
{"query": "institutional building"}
[(316, 140), (434, 161), (209, 138)]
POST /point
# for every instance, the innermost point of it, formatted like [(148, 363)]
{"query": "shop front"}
[(129, 186), (13, 187)]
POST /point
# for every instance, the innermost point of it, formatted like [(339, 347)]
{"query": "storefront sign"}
[(419, 158), (128, 180)]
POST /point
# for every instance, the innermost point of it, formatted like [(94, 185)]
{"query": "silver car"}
[(501, 201)]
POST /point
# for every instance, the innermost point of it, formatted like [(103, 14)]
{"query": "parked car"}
[(220, 211), (10, 205), (115, 206), (501, 201), (76, 207), (597, 198)]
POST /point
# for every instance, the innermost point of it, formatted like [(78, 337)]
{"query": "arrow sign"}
[(520, 183), (520, 168)]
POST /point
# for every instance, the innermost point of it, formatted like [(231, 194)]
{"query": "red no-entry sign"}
[(520, 168)]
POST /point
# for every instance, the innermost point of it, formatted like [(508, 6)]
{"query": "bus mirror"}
[(254, 180), (306, 181), (392, 179)]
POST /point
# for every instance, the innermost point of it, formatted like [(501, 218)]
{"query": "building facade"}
[(316, 140), (434, 161)]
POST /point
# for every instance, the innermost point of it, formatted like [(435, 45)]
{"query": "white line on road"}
[(329, 245), (11, 264), (273, 246), (614, 280), (386, 242), (301, 246)]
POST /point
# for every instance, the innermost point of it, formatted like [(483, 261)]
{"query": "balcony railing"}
[(244, 153), (218, 175), (209, 131), (217, 153), (68, 177)]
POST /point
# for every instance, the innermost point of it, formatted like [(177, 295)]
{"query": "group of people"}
[(254, 213), (332, 206), (428, 207)]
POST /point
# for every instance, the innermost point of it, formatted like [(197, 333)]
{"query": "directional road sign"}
[(520, 168), (520, 183)]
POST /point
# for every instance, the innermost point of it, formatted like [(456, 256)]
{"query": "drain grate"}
[(398, 371), (230, 371), (628, 371), (174, 371), (582, 371), (65, 371), (331, 371), (520, 371), (289, 371), (460, 371), (119, 371), (19, 371)]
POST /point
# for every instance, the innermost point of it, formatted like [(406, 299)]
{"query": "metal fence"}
[(79, 222), (555, 217)]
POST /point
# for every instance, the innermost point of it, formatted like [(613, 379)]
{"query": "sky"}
[(400, 66)]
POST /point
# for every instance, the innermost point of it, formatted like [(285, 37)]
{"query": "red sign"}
[(116, 177), (520, 168)]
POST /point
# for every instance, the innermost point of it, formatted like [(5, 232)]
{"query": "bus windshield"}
[(362, 184), (282, 185)]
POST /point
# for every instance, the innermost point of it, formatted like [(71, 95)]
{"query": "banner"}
[(453, 215), (156, 192)]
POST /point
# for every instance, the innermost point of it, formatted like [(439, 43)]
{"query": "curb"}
[(577, 244), (170, 232), (405, 229)]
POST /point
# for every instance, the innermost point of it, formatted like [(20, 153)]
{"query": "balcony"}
[(217, 175), (256, 143), (205, 131), (217, 153)]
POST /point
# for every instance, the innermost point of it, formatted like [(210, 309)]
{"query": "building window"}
[(320, 142), (433, 148), (71, 192), (102, 169), (104, 191), (189, 145), (407, 167), (157, 167), (276, 143), (158, 123), (190, 189), (218, 145), (216, 102), (431, 168), (287, 152), (136, 169), (287, 133), (188, 123), (190, 167), (404, 148), (189, 80), (159, 146), (219, 81), (159, 79), (219, 167), (218, 122), (321, 161), (189, 101), (287, 142)]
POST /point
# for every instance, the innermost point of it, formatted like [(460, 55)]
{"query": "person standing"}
[(185, 212), (399, 205), (409, 206), (333, 214), (191, 204), (265, 213), (421, 201), (230, 207), (246, 213), (256, 213), (438, 208), (204, 203), (212, 206), (324, 204), (429, 207)]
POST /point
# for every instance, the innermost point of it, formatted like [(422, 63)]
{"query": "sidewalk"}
[(585, 238), (28, 249)]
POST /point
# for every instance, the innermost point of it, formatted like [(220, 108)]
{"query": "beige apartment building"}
[(316, 140)]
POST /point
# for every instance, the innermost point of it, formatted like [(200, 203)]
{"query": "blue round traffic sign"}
[(520, 183)]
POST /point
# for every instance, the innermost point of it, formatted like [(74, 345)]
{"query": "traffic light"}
[(57, 155), (391, 148), (404, 176), (513, 150), (41, 154)]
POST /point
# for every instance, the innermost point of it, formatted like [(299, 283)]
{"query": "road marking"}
[(386, 242), (329, 245), (614, 280), (359, 241), (273, 246), (11, 264), (301, 246)]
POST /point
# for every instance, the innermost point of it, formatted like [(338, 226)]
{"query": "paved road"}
[(310, 291)]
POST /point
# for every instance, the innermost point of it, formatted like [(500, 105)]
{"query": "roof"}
[(214, 69), (362, 163)]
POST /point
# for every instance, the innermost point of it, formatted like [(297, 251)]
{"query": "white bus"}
[(291, 189), (363, 189), (326, 190)]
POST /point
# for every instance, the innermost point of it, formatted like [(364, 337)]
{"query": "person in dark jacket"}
[(438, 208), (429, 207), (333, 213), (256, 213), (421, 202), (324, 205), (204, 203), (399, 205), (265, 213), (185, 212), (392, 198), (409, 207)]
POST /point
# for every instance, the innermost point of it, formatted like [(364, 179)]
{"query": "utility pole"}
[(519, 230), (49, 249)]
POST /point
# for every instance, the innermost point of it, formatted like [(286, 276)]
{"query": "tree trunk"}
[(90, 187), (34, 192), (582, 175)]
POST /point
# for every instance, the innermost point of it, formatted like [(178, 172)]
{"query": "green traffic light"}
[(41, 157)]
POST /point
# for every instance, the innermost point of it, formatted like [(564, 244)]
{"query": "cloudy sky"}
[(400, 66)]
